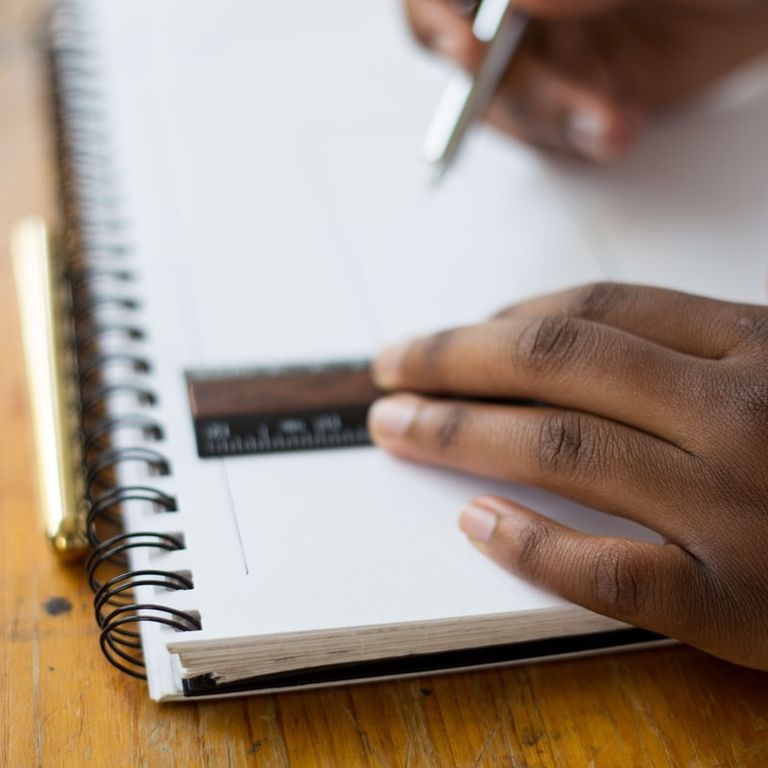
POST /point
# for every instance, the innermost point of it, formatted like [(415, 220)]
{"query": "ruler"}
[(281, 408)]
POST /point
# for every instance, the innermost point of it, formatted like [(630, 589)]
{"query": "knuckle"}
[(548, 343), (450, 426), (752, 330), (532, 540), (567, 445), (620, 586), (746, 408), (596, 300)]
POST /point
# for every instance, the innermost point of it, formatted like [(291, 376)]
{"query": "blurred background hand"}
[(592, 72)]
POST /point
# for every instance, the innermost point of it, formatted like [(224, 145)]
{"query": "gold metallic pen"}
[(48, 338)]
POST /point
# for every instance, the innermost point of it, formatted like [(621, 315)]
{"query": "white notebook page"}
[(269, 160)]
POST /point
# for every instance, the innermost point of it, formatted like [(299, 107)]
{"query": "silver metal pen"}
[(467, 97)]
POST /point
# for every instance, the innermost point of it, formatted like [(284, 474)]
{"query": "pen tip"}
[(434, 173)]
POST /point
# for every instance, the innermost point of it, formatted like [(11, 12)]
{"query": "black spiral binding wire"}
[(98, 274)]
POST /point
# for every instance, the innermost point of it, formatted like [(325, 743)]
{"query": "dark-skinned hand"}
[(592, 72), (655, 408)]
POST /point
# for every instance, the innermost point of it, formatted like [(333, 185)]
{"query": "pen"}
[(466, 97), (50, 368)]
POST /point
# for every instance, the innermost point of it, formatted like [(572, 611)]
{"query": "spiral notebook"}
[(247, 224)]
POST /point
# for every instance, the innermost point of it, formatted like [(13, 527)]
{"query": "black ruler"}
[(277, 409)]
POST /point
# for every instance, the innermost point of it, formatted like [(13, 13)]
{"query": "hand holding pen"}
[(588, 74)]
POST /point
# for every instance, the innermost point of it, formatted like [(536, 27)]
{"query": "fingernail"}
[(392, 416), (386, 367), (478, 522), (587, 132)]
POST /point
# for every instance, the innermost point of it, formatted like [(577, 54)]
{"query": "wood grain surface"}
[(62, 705)]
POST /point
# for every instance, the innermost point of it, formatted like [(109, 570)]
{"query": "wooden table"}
[(61, 704)]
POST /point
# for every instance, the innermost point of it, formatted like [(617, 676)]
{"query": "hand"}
[(656, 410), (592, 71)]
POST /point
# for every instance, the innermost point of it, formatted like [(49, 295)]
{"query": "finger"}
[(564, 361), (466, 8), (589, 460), (566, 9), (442, 27), (539, 104), (690, 324), (535, 102), (650, 585)]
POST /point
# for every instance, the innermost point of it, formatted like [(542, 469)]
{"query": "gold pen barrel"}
[(48, 346)]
